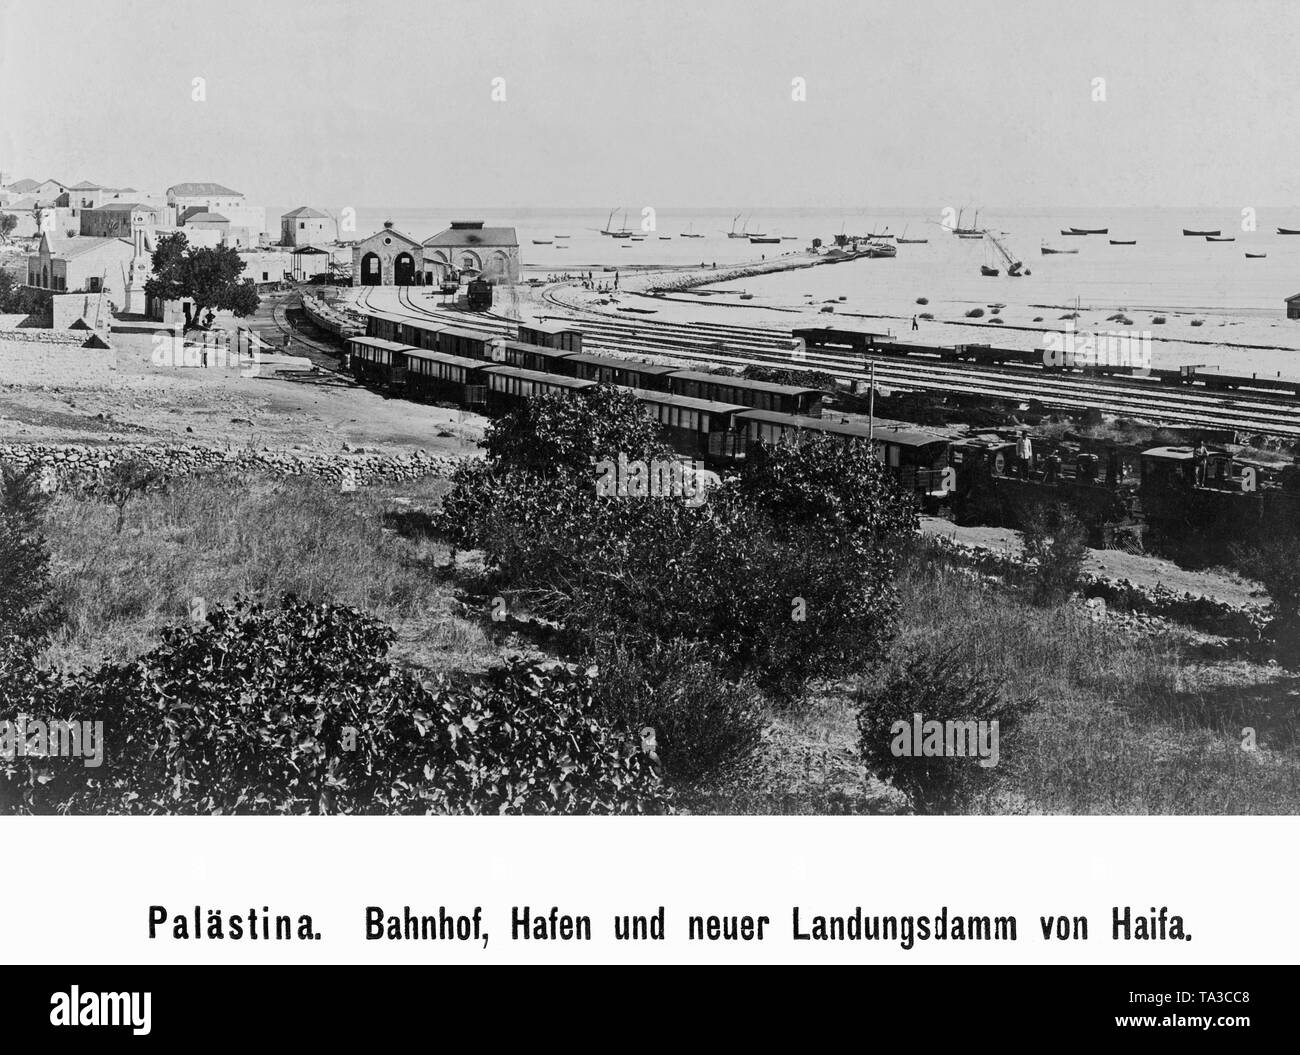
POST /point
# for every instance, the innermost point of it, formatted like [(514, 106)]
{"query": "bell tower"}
[(139, 267)]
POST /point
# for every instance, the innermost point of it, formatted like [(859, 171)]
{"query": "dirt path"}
[(1138, 568)]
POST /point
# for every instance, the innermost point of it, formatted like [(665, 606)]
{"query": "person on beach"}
[(914, 325)]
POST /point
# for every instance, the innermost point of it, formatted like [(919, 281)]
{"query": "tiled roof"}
[(69, 248), (305, 212), (475, 236), (206, 217), (124, 206), (84, 185), (203, 190), (23, 186)]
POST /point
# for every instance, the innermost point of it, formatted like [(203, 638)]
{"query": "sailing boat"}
[(968, 232), (623, 233), (902, 239), (751, 235), (690, 232), (1015, 268), (733, 233)]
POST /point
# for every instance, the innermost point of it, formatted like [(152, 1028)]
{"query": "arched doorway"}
[(404, 270), (371, 272)]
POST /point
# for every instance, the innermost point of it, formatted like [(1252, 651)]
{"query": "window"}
[(92, 284)]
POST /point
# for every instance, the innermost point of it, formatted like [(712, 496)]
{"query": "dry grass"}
[(225, 535)]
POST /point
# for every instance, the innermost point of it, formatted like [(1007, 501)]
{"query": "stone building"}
[(118, 219), (306, 226), (74, 264), (488, 252), (387, 258)]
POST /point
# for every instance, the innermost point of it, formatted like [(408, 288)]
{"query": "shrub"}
[(923, 300), (297, 710), (975, 313), (27, 611), (1057, 543), (700, 719), (939, 689), (1273, 563), (926, 315)]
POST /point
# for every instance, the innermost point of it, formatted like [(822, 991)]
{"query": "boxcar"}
[(507, 386), (377, 361), (836, 339), (626, 372), (698, 428), (551, 335), (761, 395), (434, 375)]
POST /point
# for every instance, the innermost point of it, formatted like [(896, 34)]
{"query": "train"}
[(1119, 493), (706, 416), (1116, 354)]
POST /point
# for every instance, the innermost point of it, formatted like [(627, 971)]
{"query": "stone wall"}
[(84, 463)]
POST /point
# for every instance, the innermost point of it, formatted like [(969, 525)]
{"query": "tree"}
[(207, 276), (8, 221)]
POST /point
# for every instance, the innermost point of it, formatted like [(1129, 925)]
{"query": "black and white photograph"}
[(649, 409)]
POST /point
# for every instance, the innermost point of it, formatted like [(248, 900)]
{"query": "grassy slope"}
[(1123, 723)]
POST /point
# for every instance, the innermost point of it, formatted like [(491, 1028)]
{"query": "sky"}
[(921, 102)]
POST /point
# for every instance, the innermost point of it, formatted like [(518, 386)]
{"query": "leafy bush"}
[(1057, 543), (939, 689), (297, 710), (1274, 564), (700, 719), (975, 313), (27, 610)]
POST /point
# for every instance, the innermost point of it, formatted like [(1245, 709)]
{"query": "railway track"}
[(745, 346)]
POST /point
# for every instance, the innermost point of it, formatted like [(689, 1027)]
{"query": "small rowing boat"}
[(1212, 238), (1123, 241), (1256, 256), (1090, 230), (1200, 234)]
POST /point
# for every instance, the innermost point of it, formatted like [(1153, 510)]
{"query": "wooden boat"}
[(1200, 234), (760, 239), (541, 241), (623, 233), (1015, 267), (877, 250), (561, 236), (1071, 231), (1287, 230), (975, 231), (1123, 241), (988, 272), (638, 237), (1090, 230), (1256, 256), (1212, 238), (1048, 251), (690, 232), (789, 238), (665, 238), (902, 239)]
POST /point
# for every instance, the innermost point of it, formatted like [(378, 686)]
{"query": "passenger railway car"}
[(699, 428), (468, 344), (377, 361), (532, 357), (916, 459), (508, 386), (619, 371), (435, 375), (551, 335), (761, 395)]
